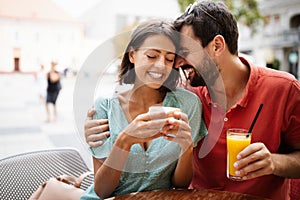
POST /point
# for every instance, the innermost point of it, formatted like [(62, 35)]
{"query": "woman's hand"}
[(145, 127), (95, 130), (179, 127), (178, 130)]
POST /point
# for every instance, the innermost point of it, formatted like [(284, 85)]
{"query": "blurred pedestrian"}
[(53, 89), (41, 83)]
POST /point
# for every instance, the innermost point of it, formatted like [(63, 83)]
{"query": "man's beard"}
[(195, 78)]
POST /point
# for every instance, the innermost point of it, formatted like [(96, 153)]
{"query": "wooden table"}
[(185, 195)]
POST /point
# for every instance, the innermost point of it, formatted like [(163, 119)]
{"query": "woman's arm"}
[(108, 174), (184, 170), (143, 128)]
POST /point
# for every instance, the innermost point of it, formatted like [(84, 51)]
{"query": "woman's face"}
[(153, 61)]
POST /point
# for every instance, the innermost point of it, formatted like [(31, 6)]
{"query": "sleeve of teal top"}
[(191, 105), (195, 119), (101, 106)]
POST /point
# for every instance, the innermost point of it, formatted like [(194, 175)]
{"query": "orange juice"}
[(237, 140)]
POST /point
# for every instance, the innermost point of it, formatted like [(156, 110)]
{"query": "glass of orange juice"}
[(237, 139)]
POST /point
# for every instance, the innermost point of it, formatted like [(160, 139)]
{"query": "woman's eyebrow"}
[(159, 51)]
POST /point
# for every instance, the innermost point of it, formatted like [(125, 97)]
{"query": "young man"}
[(230, 99), (231, 90)]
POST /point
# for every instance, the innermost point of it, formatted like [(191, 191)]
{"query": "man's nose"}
[(179, 62)]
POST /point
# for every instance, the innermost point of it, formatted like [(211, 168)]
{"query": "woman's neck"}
[(145, 96), (138, 100)]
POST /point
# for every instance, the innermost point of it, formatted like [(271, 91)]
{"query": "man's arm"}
[(256, 160), (288, 165)]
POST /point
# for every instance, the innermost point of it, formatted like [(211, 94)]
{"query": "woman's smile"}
[(155, 75)]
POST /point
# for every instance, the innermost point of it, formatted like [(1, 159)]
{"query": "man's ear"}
[(219, 44), (131, 55)]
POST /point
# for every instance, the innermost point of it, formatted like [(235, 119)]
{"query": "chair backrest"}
[(22, 174)]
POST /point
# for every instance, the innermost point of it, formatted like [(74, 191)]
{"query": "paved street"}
[(22, 116)]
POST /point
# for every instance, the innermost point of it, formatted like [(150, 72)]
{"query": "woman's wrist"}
[(186, 143), (187, 147), (122, 142)]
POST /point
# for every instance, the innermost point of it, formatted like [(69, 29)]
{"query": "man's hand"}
[(254, 161), (95, 130)]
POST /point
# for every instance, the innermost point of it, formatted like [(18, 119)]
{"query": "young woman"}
[(140, 154), (53, 89)]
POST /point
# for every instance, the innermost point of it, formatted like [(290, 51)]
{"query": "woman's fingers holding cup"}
[(181, 123), (180, 115)]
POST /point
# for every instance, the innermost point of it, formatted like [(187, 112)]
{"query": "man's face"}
[(194, 60)]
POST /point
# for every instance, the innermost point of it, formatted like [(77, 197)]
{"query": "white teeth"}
[(155, 75)]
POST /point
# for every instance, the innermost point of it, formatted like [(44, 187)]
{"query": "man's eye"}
[(183, 53)]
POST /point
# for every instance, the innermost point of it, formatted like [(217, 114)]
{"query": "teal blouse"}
[(151, 169)]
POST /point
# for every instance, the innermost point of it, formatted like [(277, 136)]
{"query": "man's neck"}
[(230, 86)]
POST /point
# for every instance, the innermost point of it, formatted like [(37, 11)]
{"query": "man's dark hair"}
[(209, 19)]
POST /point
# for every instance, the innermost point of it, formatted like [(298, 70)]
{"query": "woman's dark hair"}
[(138, 36), (209, 19)]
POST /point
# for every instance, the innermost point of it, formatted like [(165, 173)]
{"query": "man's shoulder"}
[(281, 79), (275, 74)]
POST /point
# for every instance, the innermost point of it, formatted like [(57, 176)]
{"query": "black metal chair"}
[(22, 174)]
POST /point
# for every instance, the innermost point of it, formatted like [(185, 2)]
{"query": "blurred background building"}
[(35, 32), (276, 43), (281, 34)]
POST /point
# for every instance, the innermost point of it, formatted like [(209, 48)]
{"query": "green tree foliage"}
[(184, 3), (245, 11)]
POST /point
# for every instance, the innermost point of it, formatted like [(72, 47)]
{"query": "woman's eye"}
[(170, 60), (151, 56)]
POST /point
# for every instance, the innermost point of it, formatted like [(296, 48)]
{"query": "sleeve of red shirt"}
[(291, 119)]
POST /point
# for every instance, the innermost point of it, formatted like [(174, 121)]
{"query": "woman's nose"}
[(161, 62)]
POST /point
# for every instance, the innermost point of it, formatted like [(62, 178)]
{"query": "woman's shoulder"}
[(184, 94), (182, 98), (104, 101)]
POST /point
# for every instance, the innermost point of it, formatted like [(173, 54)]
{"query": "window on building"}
[(295, 21)]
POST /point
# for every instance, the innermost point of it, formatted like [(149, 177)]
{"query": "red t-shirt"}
[(277, 126)]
